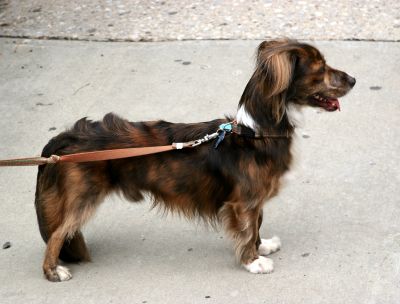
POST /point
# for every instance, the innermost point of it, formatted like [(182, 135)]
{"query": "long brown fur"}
[(229, 184)]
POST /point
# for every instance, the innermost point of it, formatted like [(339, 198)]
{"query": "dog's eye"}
[(321, 70)]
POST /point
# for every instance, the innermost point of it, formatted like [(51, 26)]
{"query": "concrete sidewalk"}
[(338, 218), (158, 20)]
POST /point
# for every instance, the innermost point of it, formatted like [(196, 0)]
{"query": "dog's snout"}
[(351, 80)]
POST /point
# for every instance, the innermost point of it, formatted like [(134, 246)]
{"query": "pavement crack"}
[(80, 88)]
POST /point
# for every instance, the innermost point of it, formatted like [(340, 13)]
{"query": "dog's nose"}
[(351, 80)]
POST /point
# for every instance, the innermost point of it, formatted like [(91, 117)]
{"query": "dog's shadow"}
[(154, 242)]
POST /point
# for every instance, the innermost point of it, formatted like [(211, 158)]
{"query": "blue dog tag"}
[(220, 138), (227, 127), (223, 129)]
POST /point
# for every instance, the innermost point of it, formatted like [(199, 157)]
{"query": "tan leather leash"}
[(230, 127), (95, 155), (86, 156), (103, 154)]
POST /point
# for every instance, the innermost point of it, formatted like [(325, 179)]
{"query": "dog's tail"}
[(73, 249), (39, 202)]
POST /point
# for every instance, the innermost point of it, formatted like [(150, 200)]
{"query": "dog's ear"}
[(275, 64), (276, 60)]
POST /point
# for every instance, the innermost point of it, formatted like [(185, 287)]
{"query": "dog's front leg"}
[(242, 224), (266, 246)]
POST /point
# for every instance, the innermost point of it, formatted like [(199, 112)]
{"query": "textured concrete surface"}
[(143, 20), (338, 217)]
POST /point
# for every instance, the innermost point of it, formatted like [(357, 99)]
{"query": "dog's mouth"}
[(327, 103)]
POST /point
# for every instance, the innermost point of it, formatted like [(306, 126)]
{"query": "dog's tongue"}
[(333, 104)]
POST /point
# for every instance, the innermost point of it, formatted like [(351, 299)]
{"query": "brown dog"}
[(229, 184)]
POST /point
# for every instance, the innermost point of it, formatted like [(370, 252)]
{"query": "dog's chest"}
[(265, 178)]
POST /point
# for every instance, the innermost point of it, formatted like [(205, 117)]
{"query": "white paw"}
[(269, 246), (63, 273), (260, 265)]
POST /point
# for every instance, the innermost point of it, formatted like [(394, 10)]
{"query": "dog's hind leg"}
[(62, 215), (242, 225), (74, 250), (51, 269), (63, 208), (67, 243)]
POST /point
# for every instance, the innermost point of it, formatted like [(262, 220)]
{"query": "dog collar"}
[(242, 130)]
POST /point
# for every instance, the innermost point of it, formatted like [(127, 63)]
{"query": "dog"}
[(228, 184)]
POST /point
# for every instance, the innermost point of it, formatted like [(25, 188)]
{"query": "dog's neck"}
[(261, 111), (294, 115), (243, 117)]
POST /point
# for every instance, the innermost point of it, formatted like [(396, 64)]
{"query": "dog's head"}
[(292, 72)]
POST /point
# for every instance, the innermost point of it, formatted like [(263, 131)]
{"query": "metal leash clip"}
[(222, 130), (206, 138)]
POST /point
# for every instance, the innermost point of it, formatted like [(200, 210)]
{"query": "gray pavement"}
[(143, 20), (338, 216)]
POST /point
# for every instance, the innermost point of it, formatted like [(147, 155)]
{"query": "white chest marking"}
[(243, 117), (294, 115)]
